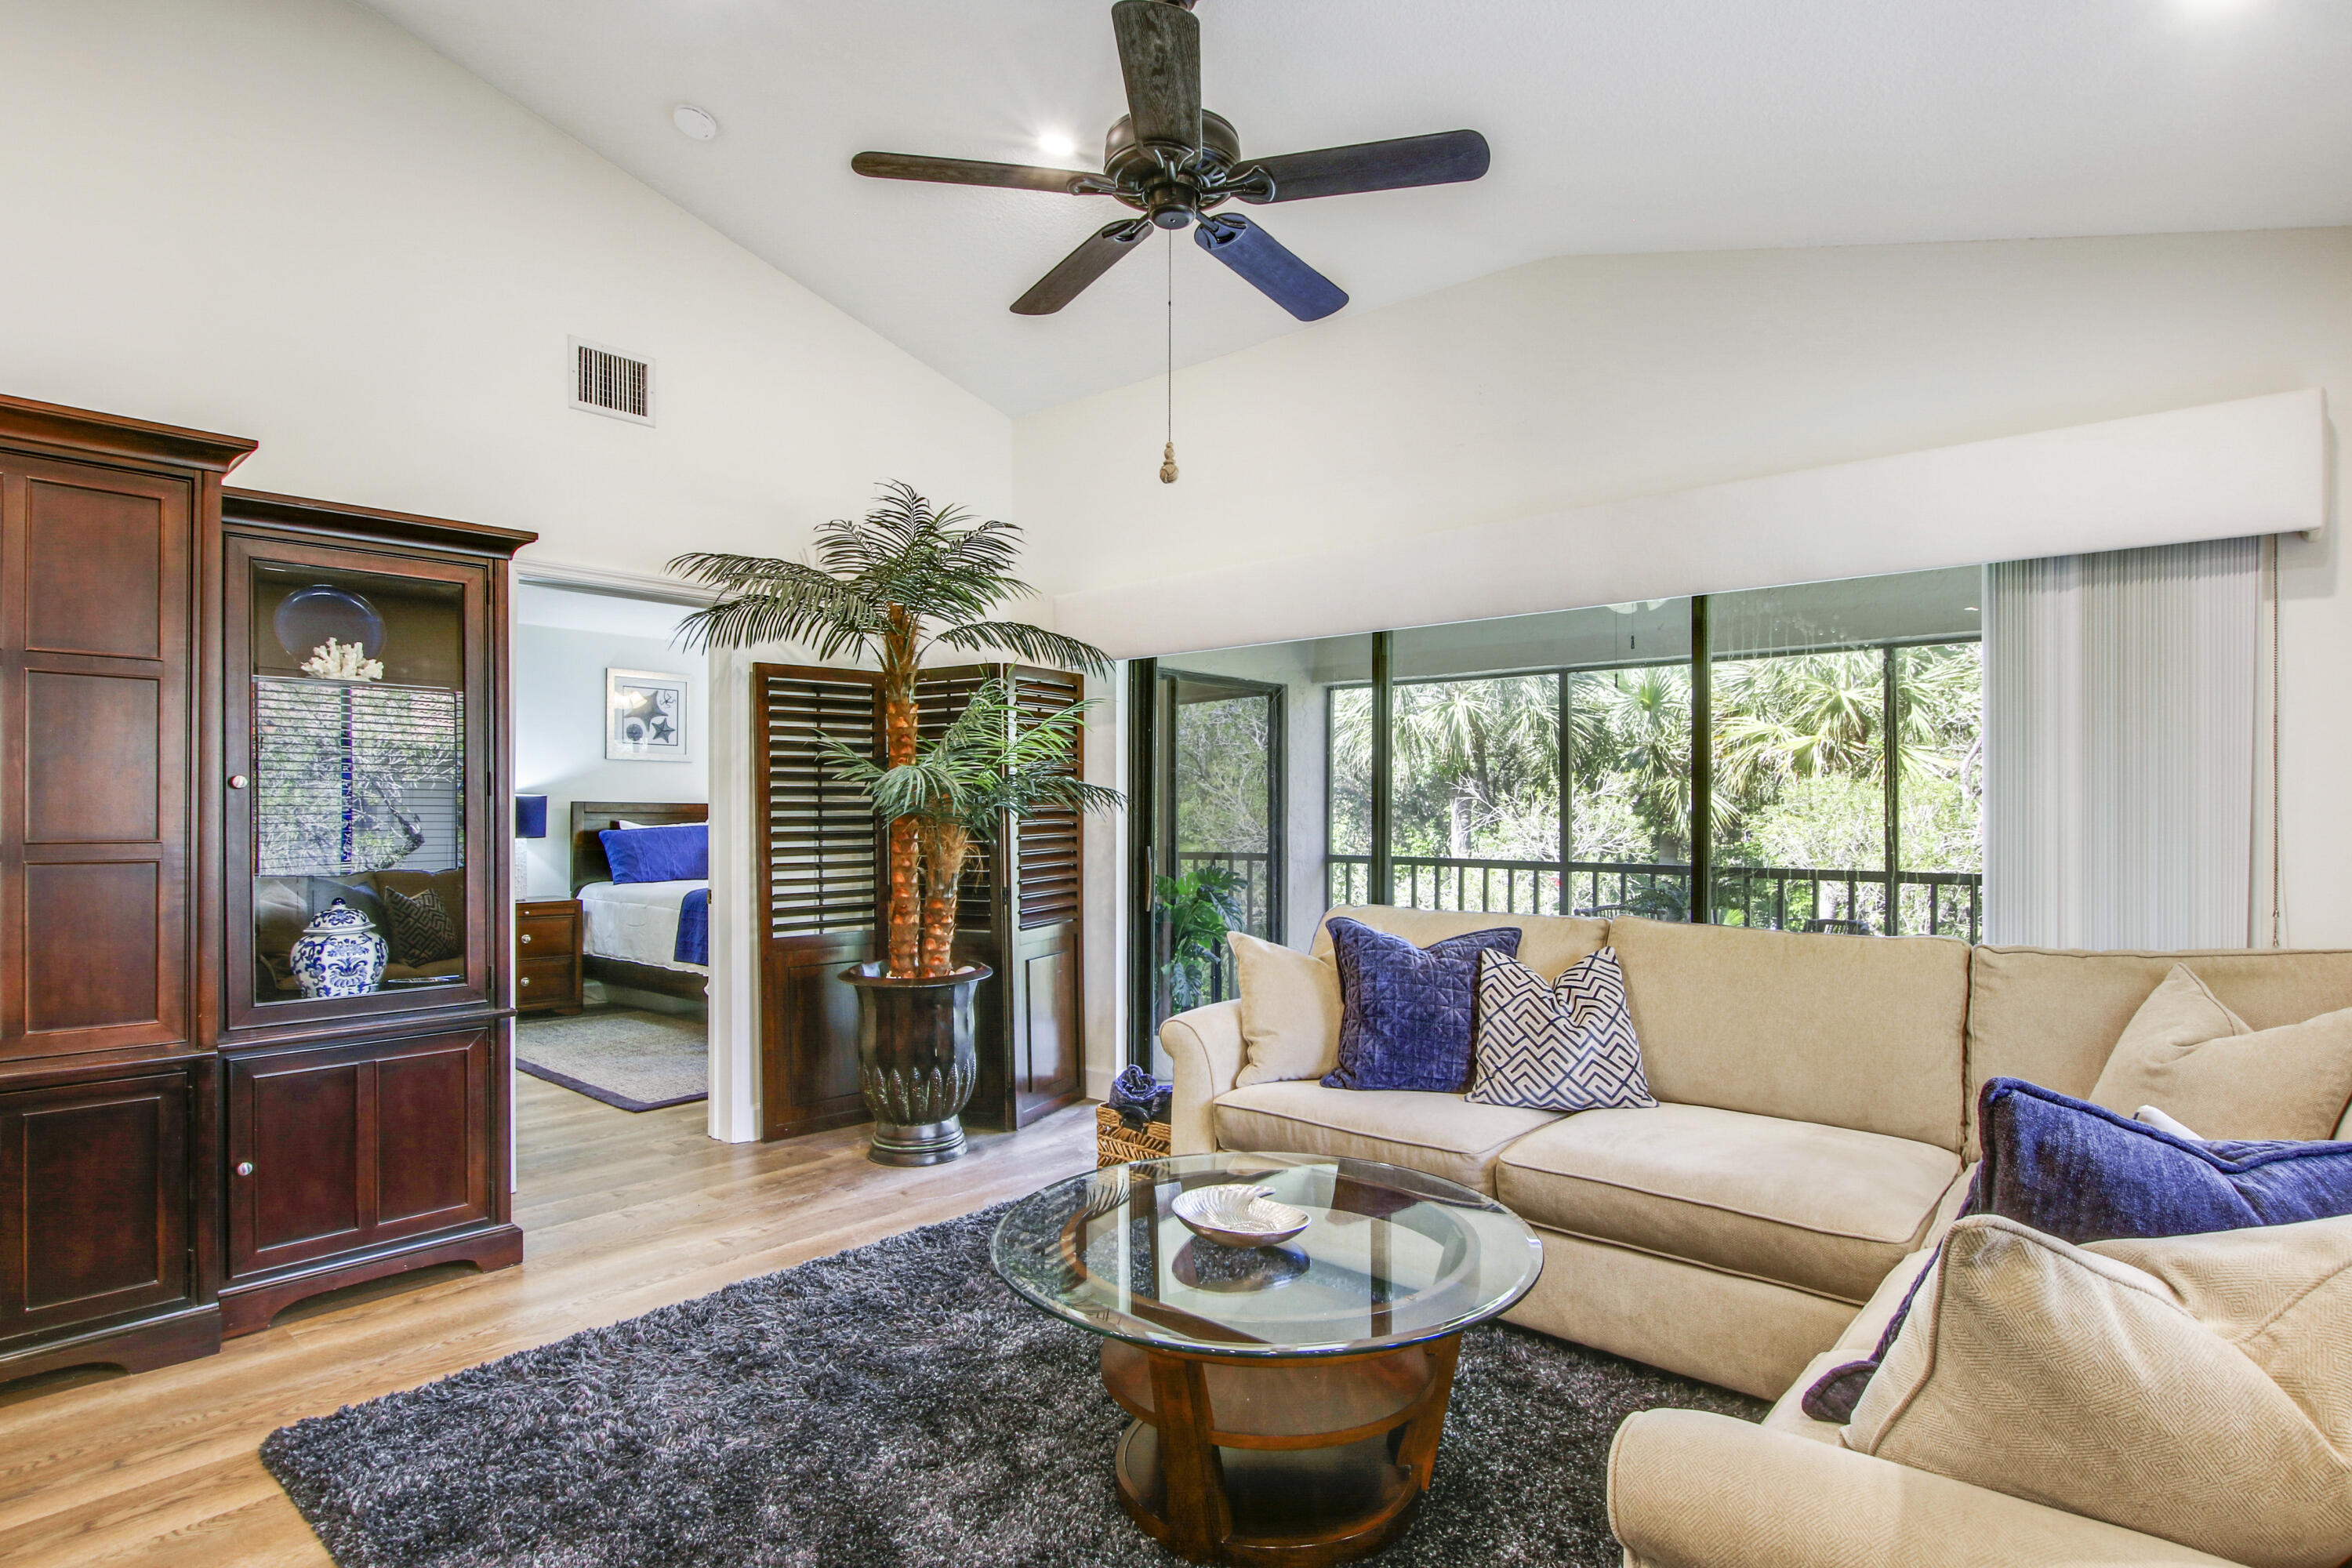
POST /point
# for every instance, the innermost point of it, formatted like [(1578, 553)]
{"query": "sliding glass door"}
[(1217, 842)]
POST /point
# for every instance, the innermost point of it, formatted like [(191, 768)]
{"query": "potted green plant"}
[(1196, 909), (988, 770), (888, 589)]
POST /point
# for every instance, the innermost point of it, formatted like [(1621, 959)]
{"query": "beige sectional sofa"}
[(1811, 1142)]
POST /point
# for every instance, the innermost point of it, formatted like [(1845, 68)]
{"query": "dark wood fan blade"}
[(1440, 160), (966, 172), (1269, 266), (1160, 55), (1090, 261)]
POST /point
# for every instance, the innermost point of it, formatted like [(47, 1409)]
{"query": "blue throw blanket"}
[(693, 929)]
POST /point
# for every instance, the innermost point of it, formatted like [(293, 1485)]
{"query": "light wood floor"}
[(621, 1212)]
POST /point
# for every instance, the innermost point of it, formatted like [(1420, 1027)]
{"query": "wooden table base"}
[(1301, 1462)]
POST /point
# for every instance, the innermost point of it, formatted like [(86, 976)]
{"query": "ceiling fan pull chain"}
[(1168, 456)]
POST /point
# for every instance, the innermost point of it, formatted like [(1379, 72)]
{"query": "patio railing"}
[(1778, 898)]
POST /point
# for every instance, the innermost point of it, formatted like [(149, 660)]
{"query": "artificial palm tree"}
[(986, 769), (906, 578)]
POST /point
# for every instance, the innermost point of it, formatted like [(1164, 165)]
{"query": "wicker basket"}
[(1117, 1143)]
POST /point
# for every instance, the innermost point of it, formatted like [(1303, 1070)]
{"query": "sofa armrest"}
[(1687, 1489), (1205, 1045)]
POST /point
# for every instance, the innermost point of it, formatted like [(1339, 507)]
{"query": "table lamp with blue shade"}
[(530, 822)]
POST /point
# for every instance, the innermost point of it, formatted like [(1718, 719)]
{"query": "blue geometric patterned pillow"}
[(1407, 1013), (1568, 1045)]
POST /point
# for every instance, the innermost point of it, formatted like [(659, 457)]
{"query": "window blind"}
[(355, 777)]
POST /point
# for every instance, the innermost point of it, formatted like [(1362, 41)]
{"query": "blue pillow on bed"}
[(676, 854)]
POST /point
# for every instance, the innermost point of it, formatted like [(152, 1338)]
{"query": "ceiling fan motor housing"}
[(1172, 182)]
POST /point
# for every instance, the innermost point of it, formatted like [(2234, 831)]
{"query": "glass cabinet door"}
[(358, 876)]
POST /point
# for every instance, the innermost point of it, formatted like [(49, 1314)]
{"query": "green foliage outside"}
[(1196, 910), (1800, 764)]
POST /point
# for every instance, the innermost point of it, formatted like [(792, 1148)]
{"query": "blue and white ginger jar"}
[(339, 954)]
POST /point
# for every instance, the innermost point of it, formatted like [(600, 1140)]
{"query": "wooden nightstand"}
[(547, 955)]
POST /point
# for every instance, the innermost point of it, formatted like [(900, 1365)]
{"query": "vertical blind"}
[(2121, 722), (355, 777)]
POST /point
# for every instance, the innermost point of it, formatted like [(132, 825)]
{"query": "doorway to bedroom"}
[(611, 876)]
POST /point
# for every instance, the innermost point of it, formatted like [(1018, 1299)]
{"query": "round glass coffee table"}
[(1287, 1400)]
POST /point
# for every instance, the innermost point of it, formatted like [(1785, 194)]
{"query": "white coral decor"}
[(342, 661)]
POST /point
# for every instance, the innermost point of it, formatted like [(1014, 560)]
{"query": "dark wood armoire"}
[(819, 888), (109, 1090), (187, 1140)]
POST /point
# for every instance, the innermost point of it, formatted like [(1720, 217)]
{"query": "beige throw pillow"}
[(2192, 1387), (2193, 1059), (1290, 1011)]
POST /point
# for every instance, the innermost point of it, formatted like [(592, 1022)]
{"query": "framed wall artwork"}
[(647, 718)]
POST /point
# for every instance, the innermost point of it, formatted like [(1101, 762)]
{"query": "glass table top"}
[(1391, 1256)]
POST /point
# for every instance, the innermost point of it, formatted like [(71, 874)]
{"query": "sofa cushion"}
[(2081, 1172), (2054, 1016), (1409, 1014), (2185, 1054), (1548, 943), (1443, 1135), (1568, 1045), (2188, 1386), (1826, 1209), (1290, 1011), (1861, 1032)]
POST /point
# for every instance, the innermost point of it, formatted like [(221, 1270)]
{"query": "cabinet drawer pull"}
[(524, 939), (524, 981), (236, 781), (245, 1167)]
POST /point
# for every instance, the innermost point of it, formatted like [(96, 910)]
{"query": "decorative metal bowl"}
[(1239, 1214)]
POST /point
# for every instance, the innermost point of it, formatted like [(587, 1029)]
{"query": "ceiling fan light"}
[(1056, 143)]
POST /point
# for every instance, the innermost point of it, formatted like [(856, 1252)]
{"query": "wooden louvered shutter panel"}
[(822, 835), (1047, 845), (820, 882)]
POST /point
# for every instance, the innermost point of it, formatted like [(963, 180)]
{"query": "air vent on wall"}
[(606, 381)]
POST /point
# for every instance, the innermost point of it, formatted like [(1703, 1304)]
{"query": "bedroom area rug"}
[(629, 1058), (893, 1406)]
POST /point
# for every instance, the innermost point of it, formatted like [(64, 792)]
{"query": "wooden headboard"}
[(590, 818)]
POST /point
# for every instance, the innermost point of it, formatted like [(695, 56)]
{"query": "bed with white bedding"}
[(647, 935), (645, 922)]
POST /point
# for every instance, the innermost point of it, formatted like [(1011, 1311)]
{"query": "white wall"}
[(1587, 380), (289, 220), (559, 696)]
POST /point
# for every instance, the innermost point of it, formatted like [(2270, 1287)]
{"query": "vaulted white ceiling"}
[(1617, 126)]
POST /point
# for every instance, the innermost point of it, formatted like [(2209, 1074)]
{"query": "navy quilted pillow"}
[(1409, 1014), (2080, 1173)]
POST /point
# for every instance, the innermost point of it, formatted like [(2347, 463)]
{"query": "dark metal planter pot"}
[(915, 1060)]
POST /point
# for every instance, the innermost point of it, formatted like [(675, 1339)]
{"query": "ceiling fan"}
[(1175, 163)]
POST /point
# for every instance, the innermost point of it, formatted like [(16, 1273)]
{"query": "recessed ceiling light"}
[(698, 123), (1056, 143)]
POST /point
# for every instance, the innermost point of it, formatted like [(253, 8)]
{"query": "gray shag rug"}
[(894, 1406), (634, 1059)]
